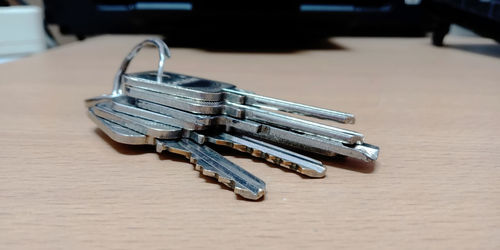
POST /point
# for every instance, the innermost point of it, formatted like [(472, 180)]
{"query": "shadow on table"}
[(348, 163), (123, 148), (492, 50), (262, 46), (137, 149)]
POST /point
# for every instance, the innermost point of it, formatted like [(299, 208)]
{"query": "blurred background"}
[(33, 26)]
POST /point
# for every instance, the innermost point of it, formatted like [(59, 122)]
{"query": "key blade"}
[(211, 163), (307, 142), (292, 123), (318, 144), (291, 107), (271, 153)]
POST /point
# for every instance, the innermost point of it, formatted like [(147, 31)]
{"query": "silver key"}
[(288, 122), (280, 127), (252, 99), (306, 142), (211, 163), (211, 91), (274, 154), (271, 153), (250, 107), (206, 160)]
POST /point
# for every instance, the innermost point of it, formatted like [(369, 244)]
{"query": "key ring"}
[(163, 52)]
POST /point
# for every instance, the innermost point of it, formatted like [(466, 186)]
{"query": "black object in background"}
[(186, 21), (480, 16)]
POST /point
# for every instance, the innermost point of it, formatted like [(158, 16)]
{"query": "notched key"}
[(271, 153), (206, 160), (211, 163)]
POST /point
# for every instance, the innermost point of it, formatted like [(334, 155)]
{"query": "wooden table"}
[(434, 112)]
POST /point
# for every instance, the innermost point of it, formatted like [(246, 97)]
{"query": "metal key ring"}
[(163, 52)]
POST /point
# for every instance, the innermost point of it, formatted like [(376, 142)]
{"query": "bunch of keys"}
[(186, 115)]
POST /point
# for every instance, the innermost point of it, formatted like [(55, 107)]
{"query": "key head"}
[(177, 84), (147, 127), (186, 104), (124, 104), (119, 133)]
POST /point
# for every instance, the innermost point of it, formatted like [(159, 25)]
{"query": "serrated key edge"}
[(205, 168), (268, 157)]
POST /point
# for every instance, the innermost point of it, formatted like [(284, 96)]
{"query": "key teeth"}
[(160, 147), (286, 164), (312, 173), (272, 159), (297, 168), (204, 171), (249, 195)]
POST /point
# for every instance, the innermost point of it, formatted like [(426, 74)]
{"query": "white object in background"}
[(21, 30)]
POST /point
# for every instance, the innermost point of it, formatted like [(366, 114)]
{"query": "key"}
[(274, 154), (206, 160), (337, 142), (288, 122), (309, 134), (306, 142), (271, 153), (247, 106), (225, 171), (145, 80), (252, 99)]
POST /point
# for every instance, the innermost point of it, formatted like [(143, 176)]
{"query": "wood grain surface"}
[(434, 112)]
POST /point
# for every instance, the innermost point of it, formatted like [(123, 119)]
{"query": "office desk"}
[(434, 112)]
